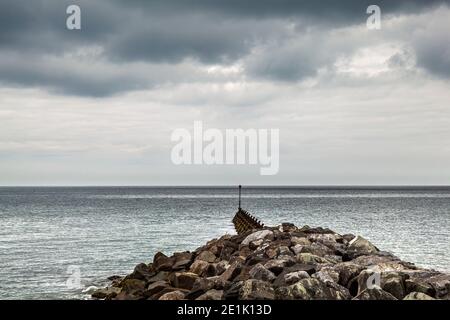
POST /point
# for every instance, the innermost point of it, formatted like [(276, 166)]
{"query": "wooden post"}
[(240, 197)]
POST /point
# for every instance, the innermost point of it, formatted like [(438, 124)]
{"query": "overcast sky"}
[(97, 106)]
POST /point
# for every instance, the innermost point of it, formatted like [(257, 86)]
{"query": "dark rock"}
[(122, 295), (277, 266), (259, 272), (432, 283), (287, 227), (440, 284), (212, 294), (347, 271), (104, 293), (391, 282), (253, 289), (226, 253), (244, 274), (201, 285), (221, 267), (308, 230), (394, 284), (232, 272), (142, 272), (254, 259), (280, 280), (133, 287), (280, 236), (156, 287), (283, 251), (348, 237), (162, 263), (255, 244), (183, 280), (232, 291), (182, 260), (160, 276), (312, 289)]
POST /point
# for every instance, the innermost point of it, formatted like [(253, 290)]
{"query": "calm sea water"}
[(52, 237)]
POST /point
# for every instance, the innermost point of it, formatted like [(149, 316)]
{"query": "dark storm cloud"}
[(347, 10), (170, 32)]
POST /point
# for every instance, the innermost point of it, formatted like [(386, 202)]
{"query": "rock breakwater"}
[(284, 262)]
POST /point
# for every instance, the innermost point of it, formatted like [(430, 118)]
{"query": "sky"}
[(97, 106)]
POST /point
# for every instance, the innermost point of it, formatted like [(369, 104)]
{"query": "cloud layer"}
[(97, 106), (289, 41)]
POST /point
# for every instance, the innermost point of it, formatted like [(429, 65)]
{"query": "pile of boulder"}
[(284, 262)]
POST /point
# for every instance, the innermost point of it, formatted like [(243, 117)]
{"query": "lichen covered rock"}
[(284, 262)]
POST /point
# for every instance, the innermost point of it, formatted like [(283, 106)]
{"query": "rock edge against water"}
[(282, 262)]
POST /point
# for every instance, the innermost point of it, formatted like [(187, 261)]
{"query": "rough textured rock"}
[(360, 246), (156, 287), (256, 290), (174, 295), (280, 281), (293, 277), (277, 266), (212, 294), (302, 241), (182, 260), (199, 267), (312, 289), (374, 293), (309, 258), (392, 282), (160, 276), (207, 256), (162, 263), (258, 235), (347, 271), (418, 296), (284, 262), (183, 280), (105, 293), (327, 274), (142, 272), (259, 272), (232, 272)]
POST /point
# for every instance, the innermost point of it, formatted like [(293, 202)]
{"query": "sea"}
[(63, 242)]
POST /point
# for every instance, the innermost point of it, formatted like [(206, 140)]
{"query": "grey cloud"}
[(209, 32)]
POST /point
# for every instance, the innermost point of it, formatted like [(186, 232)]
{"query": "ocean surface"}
[(60, 242)]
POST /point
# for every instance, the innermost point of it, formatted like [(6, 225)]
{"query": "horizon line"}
[(235, 185)]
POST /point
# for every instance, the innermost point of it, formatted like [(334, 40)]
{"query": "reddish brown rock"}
[(183, 280)]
